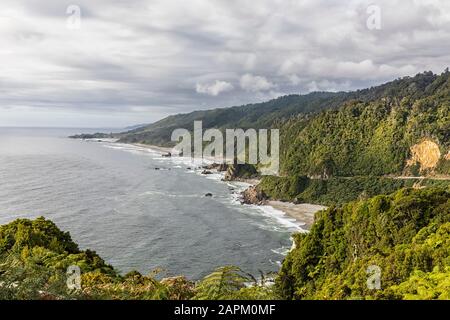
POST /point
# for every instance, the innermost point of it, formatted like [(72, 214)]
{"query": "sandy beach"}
[(303, 212), (162, 150)]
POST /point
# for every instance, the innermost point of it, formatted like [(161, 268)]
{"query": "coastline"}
[(163, 150), (302, 213)]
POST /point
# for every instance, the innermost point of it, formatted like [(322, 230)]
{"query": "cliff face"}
[(425, 157)]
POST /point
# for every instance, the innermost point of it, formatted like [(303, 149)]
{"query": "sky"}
[(84, 63)]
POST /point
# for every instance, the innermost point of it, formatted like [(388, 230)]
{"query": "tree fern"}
[(221, 284)]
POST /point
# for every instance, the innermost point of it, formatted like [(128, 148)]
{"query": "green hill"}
[(275, 112), (367, 148), (374, 138), (404, 237)]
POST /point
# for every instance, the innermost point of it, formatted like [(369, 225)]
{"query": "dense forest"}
[(336, 190), (405, 235), (362, 149), (375, 138)]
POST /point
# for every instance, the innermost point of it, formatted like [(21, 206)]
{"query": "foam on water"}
[(274, 218), (111, 199)]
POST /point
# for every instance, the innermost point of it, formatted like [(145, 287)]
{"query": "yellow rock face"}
[(426, 153)]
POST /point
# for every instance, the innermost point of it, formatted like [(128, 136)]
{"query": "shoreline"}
[(302, 213), (167, 150)]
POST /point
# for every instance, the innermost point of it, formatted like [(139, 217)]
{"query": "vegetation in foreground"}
[(35, 256), (406, 234)]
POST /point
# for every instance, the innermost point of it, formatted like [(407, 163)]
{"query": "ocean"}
[(136, 209)]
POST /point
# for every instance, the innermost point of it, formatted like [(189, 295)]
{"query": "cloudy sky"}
[(135, 61)]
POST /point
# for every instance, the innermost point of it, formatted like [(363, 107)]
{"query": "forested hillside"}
[(367, 148), (399, 128), (407, 134), (260, 115), (276, 112), (35, 256), (404, 237)]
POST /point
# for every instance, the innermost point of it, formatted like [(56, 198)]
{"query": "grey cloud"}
[(146, 59)]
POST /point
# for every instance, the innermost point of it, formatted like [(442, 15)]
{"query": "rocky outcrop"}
[(230, 175), (238, 172), (424, 158), (253, 195)]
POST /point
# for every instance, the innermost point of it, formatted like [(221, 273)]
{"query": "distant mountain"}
[(260, 115), (274, 112)]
